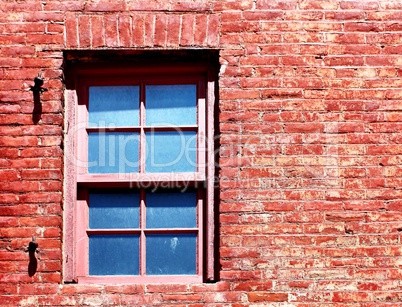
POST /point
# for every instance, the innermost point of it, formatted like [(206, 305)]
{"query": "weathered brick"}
[(148, 33), (97, 31), (187, 30), (173, 30), (124, 29), (84, 31), (105, 6), (111, 31), (267, 297), (160, 29), (138, 29), (278, 5)]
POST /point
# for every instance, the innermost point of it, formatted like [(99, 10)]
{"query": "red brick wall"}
[(310, 122)]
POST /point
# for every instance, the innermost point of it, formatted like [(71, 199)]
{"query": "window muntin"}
[(165, 144)]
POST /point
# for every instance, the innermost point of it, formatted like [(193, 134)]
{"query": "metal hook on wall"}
[(37, 89), (33, 262), (38, 82), (33, 245)]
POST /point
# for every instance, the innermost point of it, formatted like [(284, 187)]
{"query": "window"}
[(140, 174)]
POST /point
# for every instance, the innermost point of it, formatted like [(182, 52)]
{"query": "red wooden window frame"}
[(79, 180)]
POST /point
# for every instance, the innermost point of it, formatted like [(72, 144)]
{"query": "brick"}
[(187, 30), (43, 197), (277, 5), (125, 289), (40, 152), (344, 15), (267, 297), (64, 6), (26, 27), (149, 30), (12, 39), (81, 289), (43, 16), (233, 5), (18, 51), (351, 38), (198, 6), (239, 26), (97, 31), (350, 297), (104, 5), (138, 29), (38, 174), (54, 39), (124, 29), (307, 15), (12, 233), (173, 30), (84, 31), (16, 141), (353, 5), (111, 31), (303, 127), (143, 5), (40, 62), (30, 289), (160, 34), (18, 186), (11, 300), (182, 297), (166, 288), (200, 32)]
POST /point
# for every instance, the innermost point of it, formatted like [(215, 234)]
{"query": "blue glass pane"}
[(113, 255), (171, 152), (171, 254), (113, 106), (113, 152), (113, 210), (171, 104), (171, 210)]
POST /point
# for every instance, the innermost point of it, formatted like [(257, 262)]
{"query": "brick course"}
[(310, 130)]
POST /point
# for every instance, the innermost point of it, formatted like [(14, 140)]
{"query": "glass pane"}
[(113, 152), (113, 210), (171, 254), (171, 104), (113, 255), (171, 210), (173, 151), (113, 106)]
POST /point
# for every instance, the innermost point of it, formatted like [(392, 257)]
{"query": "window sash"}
[(84, 129), (84, 232)]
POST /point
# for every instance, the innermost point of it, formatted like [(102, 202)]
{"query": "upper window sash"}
[(144, 140)]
